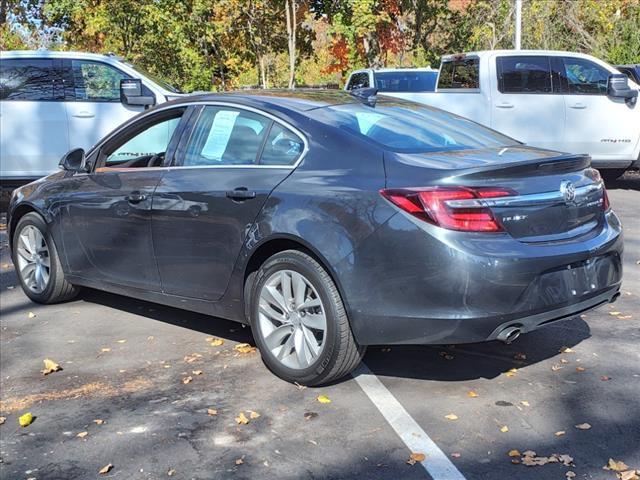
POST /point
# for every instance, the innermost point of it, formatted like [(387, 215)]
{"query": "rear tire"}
[(37, 262), (611, 174), (299, 321)]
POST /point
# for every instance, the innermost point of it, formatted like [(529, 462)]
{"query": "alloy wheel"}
[(292, 319), (34, 261)]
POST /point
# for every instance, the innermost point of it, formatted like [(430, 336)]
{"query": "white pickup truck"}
[(558, 100)]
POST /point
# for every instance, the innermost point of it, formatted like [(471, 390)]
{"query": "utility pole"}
[(518, 41)]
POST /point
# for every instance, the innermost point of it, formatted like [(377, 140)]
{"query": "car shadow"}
[(629, 181), (427, 362)]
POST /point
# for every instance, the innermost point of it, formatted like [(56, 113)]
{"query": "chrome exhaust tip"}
[(509, 334)]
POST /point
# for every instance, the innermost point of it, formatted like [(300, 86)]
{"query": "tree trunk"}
[(290, 7), (3, 12)]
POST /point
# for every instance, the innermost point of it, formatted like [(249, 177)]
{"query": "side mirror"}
[(131, 93), (73, 161), (618, 87)]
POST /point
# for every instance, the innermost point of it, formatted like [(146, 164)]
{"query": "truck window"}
[(525, 74), (27, 79), (460, 73), (96, 82), (406, 81), (358, 80), (584, 77)]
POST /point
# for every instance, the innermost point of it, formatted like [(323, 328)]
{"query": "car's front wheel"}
[(299, 321), (37, 263)]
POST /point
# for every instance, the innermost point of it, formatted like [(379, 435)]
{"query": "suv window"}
[(226, 136), (463, 74), (96, 81), (28, 79), (525, 74), (359, 80), (584, 77)]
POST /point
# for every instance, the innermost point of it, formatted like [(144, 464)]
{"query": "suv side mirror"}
[(131, 93), (73, 161), (618, 87)]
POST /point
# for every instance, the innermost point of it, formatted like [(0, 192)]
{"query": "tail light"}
[(605, 200), (436, 205), (595, 175)]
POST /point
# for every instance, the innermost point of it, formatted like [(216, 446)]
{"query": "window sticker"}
[(219, 134)]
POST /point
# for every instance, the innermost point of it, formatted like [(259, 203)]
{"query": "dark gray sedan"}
[(326, 221)]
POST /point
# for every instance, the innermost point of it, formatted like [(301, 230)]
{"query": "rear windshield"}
[(463, 73), (409, 81), (411, 128)]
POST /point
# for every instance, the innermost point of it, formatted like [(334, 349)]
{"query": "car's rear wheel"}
[(299, 321), (37, 263)]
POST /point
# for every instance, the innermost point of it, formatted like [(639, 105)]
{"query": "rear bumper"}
[(445, 287)]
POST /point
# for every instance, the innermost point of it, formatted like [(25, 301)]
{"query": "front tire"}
[(299, 321), (37, 262)]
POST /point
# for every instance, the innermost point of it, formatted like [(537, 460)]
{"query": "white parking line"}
[(414, 437)]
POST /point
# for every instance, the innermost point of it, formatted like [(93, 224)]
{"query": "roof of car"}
[(58, 54), (301, 99), (396, 69)]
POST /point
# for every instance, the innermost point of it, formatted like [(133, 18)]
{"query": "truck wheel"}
[(299, 321), (37, 263)]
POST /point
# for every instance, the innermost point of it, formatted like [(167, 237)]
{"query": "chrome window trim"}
[(223, 104), (547, 198)]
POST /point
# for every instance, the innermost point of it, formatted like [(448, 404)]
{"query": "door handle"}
[(241, 193), (84, 114), (504, 105), (136, 197), (579, 106)]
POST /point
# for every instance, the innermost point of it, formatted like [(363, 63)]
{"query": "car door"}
[(523, 103), (107, 216), (34, 132), (205, 205), (95, 108), (606, 128)]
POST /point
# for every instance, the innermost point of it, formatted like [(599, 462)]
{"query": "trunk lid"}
[(556, 197)]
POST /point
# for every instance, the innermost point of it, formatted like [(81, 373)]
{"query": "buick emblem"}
[(568, 191)]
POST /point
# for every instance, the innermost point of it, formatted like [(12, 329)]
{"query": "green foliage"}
[(225, 44)]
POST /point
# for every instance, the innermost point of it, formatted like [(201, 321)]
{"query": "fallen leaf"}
[(629, 475), (583, 426), (555, 368), (241, 419), (323, 399), (559, 433), (566, 350), (244, 348), (216, 342), (82, 434), (50, 366), (446, 355), (625, 317), (616, 465), (192, 358), (604, 378), (121, 341), (31, 315), (525, 403), (171, 472), (310, 415), (520, 356), (197, 372), (514, 453), (98, 421), (472, 394), (564, 360), (2, 420), (528, 453), (25, 420), (615, 314), (415, 458), (212, 411), (511, 372), (566, 460), (253, 415), (504, 429), (570, 474), (105, 469), (239, 461), (105, 350), (456, 455), (451, 416), (581, 369), (186, 380)]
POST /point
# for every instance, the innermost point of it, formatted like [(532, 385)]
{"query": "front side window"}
[(226, 136), (27, 79), (359, 80), (411, 128), (96, 82), (406, 81), (460, 74), (525, 74), (147, 147), (583, 77)]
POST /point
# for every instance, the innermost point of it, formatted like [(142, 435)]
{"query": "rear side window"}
[(408, 81), (282, 147), (226, 136), (96, 81), (28, 79), (461, 74), (358, 80), (525, 74)]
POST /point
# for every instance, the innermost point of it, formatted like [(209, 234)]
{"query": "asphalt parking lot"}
[(150, 391)]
